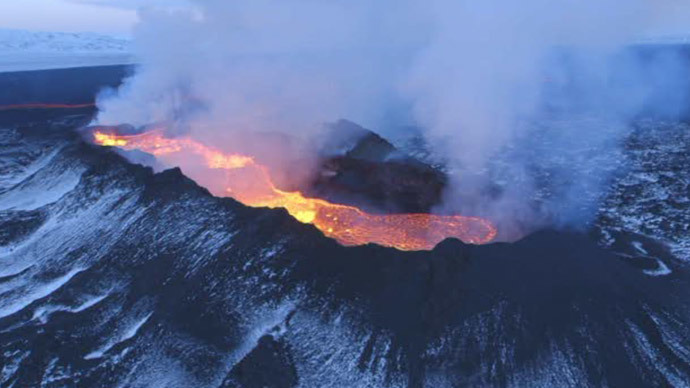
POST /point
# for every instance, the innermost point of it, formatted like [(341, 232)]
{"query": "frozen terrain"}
[(25, 50), (111, 275)]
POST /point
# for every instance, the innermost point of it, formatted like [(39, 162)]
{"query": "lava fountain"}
[(250, 183)]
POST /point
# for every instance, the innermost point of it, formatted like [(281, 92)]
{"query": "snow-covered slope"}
[(111, 275), (27, 50)]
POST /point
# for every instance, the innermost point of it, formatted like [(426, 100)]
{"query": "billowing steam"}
[(522, 99)]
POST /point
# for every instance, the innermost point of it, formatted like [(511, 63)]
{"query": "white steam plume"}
[(480, 78)]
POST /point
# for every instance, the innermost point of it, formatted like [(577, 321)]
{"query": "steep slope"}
[(111, 275)]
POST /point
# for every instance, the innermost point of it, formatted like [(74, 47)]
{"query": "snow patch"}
[(40, 192), (13, 360), (661, 270), (12, 177), (260, 328), (639, 247), (128, 333), (655, 357), (43, 313), (13, 306)]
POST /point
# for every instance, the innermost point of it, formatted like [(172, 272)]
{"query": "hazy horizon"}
[(97, 16), (118, 17)]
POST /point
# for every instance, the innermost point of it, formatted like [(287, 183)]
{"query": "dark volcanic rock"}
[(268, 365), (139, 279), (16, 225), (368, 171), (111, 275), (75, 85)]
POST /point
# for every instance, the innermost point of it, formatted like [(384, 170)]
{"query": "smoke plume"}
[(526, 102)]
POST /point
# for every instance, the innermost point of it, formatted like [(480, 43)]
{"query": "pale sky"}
[(119, 16), (103, 16)]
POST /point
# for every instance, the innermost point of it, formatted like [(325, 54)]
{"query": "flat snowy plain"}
[(26, 50)]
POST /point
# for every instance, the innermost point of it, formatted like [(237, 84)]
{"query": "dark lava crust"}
[(372, 174)]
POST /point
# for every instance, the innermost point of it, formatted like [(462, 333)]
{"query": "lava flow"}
[(46, 106), (250, 183)]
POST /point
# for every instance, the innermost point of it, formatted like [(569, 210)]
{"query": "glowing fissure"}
[(251, 183)]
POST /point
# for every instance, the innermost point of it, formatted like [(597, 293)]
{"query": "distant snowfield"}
[(28, 50), (25, 50)]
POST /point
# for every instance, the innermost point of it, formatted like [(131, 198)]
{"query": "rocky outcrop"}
[(363, 169)]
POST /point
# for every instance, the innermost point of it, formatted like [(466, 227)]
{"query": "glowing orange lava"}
[(250, 183)]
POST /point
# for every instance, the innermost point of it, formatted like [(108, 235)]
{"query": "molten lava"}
[(250, 183)]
